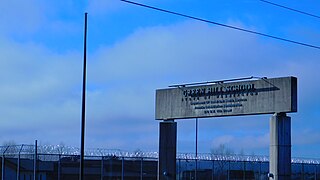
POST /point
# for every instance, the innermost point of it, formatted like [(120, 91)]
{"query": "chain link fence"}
[(62, 163)]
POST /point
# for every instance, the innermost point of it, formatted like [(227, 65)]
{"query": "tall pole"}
[(83, 116)]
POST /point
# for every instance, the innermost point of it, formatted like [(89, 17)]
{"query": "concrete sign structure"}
[(265, 96), (276, 96)]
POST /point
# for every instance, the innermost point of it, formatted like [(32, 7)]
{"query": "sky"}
[(132, 51)]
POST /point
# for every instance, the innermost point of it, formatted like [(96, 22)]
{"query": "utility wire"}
[(223, 25), (291, 9)]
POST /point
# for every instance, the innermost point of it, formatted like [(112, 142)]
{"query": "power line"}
[(291, 9), (223, 25)]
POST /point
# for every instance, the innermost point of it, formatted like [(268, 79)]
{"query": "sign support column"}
[(167, 150), (233, 97), (280, 147)]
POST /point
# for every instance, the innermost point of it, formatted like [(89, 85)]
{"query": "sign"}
[(264, 96)]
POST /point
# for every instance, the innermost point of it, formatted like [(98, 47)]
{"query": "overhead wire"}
[(291, 9), (223, 25)]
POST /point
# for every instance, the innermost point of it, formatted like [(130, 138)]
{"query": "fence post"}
[(18, 164), (315, 172), (302, 170), (59, 167), (3, 165), (35, 160), (260, 169), (141, 168), (122, 169), (228, 170), (212, 169), (244, 170), (179, 168), (111, 167), (18, 167), (102, 167)]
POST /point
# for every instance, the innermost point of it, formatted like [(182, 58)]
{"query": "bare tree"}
[(221, 154), (222, 149)]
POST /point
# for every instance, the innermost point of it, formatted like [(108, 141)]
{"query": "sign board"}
[(263, 96)]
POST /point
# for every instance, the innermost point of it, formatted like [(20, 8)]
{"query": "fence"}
[(62, 163)]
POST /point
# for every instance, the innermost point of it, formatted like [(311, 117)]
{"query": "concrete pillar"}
[(167, 150), (280, 147)]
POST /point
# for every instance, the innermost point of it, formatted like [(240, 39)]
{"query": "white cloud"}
[(306, 137), (246, 143), (38, 90), (185, 50), (225, 139), (41, 88)]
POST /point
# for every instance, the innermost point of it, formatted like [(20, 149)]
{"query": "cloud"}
[(179, 50), (190, 51), (38, 89), (42, 88), (258, 143), (32, 71), (306, 137), (226, 139)]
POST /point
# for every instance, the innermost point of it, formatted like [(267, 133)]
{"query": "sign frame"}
[(252, 97)]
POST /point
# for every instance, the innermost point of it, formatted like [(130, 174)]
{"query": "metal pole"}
[(59, 167), (18, 165), (244, 170), (228, 170), (3, 165), (102, 167), (122, 169), (141, 168), (83, 118), (302, 171), (35, 160), (260, 169), (179, 168), (195, 174), (315, 171), (212, 170), (111, 168)]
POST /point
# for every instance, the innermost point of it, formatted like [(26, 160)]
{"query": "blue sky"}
[(132, 51)]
